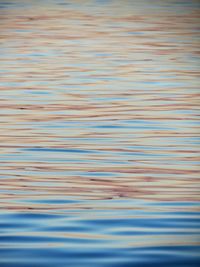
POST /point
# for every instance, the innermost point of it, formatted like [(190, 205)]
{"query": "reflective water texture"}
[(99, 133)]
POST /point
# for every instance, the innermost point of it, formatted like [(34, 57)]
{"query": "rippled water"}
[(99, 133)]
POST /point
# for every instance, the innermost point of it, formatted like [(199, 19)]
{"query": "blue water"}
[(99, 133), (82, 233)]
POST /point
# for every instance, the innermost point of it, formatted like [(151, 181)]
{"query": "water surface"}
[(99, 131)]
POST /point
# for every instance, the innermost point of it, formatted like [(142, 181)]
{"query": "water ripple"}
[(99, 135)]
